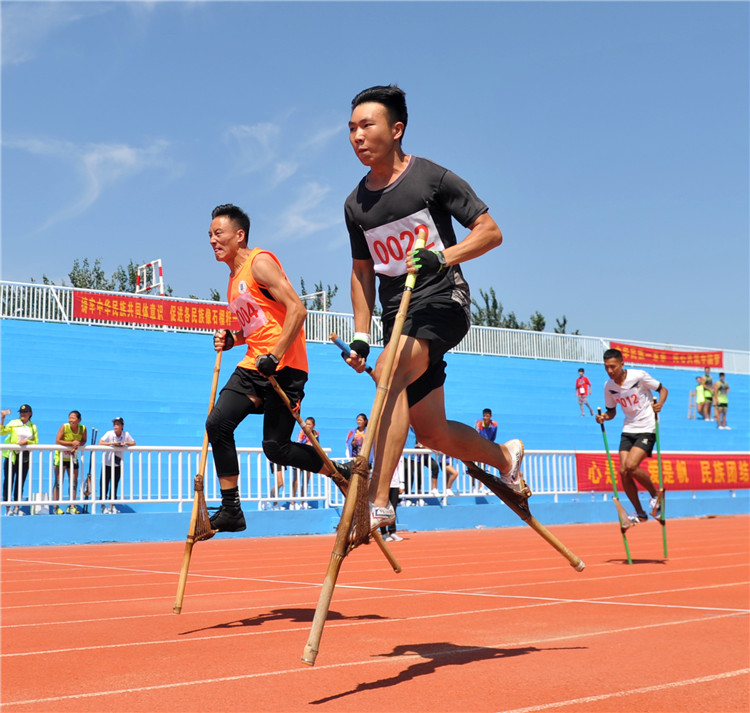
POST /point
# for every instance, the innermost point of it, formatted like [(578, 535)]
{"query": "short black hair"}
[(233, 213), (613, 354), (393, 98), (487, 410), (581, 370)]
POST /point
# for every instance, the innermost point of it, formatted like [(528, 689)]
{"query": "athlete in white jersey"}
[(631, 389)]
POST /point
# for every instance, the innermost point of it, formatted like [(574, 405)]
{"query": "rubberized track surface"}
[(479, 620)]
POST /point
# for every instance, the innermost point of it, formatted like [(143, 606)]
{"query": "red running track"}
[(480, 620)]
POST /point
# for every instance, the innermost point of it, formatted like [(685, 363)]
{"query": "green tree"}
[(317, 301), (126, 278), (511, 322), (537, 322), (92, 277), (562, 324), (491, 313), (213, 294)]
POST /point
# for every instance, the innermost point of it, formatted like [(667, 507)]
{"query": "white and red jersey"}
[(635, 399)]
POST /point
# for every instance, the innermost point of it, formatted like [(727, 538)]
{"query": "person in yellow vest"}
[(20, 431), (700, 397), (272, 319), (73, 435)]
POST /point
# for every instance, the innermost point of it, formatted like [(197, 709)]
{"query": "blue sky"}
[(610, 141)]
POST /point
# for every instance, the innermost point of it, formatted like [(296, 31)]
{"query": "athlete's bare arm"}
[(484, 236), (268, 274)]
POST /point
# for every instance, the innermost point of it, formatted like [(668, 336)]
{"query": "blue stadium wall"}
[(159, 382)]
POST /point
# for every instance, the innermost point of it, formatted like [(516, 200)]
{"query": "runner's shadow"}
[(433, 656), (624, 560), (301, 616)]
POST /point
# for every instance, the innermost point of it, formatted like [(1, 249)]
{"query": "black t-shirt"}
[(383, 226)]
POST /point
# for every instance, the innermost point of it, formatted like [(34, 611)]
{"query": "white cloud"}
[(99, 165), (254, 145), (26, 27), (321, 139), (305, 215), (263, 147), (283, 170)]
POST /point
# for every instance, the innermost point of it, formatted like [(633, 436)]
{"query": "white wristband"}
[(361, 337)]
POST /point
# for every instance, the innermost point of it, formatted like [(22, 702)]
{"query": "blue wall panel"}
[(159, 382)]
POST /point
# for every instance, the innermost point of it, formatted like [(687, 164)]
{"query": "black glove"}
[(361, 347), (266, 364), (228, 340), (428, 262)]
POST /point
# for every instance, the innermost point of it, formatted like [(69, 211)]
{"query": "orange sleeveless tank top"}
[(261, 317)]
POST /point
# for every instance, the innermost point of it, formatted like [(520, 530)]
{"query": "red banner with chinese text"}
[(148, 310), (665, 357), (680, 471)]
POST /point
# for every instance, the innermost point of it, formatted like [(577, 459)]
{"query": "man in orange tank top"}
[(272, 320)]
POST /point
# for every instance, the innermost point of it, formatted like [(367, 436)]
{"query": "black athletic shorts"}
[(443, 326), (253, 383), (644, 441)]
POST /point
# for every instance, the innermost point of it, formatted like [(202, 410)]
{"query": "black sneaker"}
[(228, 520), (345, 470)]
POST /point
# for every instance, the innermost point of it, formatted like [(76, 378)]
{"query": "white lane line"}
[(630, 692), (386, 594), (354, 622), (309, 670)]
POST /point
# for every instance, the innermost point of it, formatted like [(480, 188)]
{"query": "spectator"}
[(71, 434), (356, 436), (708, 393), (19, 431), (412, 470), (296, 474), (109, 482), (389, 532), (450, 472), (721, 402), (692, 397), (583, 389), (700, 397), (486, 427)]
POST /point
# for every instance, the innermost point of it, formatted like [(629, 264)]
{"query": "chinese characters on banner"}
[(680, 471), (146, 310), (665, 357)]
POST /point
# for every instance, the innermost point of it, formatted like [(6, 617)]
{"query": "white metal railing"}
[(160, 479), (53, 303)]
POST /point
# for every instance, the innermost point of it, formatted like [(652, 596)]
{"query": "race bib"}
[(248, 312), (390, 243)]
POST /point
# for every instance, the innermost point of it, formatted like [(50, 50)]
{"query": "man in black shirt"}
[(400, 196)]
